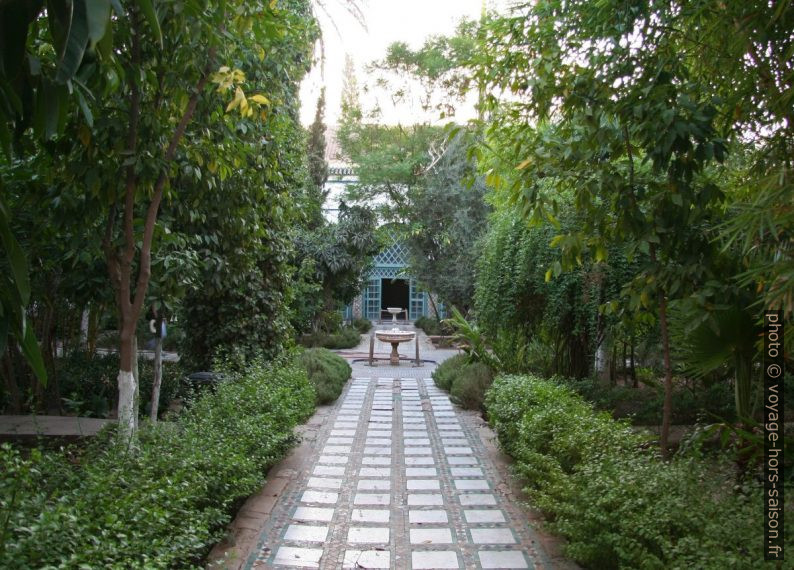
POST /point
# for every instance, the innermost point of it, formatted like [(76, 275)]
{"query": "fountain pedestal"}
[(395, 337)]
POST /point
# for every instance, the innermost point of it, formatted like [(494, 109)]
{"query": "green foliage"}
[(334, 258), (446, 216), (692, 403), (616, 502), (466, 381), (363, 326), (327, 371), (88, 384), (163, 502), (344, 337), (470, 385), (446, 372), (469, 336), (432, 326)]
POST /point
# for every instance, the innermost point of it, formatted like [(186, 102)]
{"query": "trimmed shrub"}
[(432, 327), (618, 504), (363, 326), (327, 371), (466, 382), (345, 337), (162, 502), (446, 372), (470, 385)]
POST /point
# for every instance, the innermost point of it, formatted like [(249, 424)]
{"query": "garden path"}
[(398, 477)]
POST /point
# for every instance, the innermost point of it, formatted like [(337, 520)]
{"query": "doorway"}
[(394, 293)]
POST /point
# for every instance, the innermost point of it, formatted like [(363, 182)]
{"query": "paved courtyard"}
[(398, 479)]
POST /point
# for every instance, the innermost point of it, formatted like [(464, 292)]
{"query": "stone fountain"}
[(394, 336)]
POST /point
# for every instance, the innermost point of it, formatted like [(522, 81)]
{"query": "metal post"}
[(418, 362), (371, 347)]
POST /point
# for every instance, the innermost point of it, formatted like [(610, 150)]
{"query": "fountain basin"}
[(394, 337)]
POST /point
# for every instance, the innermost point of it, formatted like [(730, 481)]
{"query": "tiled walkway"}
[(398, 480)]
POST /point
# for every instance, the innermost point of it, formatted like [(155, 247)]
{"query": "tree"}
[(604, 107), (161, 96), (339, 255), (318, 167), (446, 216)]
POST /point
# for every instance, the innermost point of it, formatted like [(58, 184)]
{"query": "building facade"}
[(390, 285)]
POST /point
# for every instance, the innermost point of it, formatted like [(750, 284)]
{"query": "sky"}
[(387, 21)]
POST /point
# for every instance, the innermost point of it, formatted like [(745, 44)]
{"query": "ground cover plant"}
[(612, 496), (163, 500), (327, 371)]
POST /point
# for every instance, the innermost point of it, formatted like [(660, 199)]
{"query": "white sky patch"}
[(387, 21)]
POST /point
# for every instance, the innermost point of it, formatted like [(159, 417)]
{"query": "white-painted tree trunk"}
[(158, 375), (84, 328), (127, 415), (599, 365), (135, 396)]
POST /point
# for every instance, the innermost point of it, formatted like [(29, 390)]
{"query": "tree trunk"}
[(85, 317), (136, 398), (667, 408), (158, 369), (126, 380), (433, 304), (743, 387), (623, 368), (12, 388), (613, 365), (634, 382), (93, 330)]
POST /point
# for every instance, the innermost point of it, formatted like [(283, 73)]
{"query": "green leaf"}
[(149, 13), (89, 116), (30, 348), (4, 330), (76, 42), (5, 138), (97, 17), (16, 257)]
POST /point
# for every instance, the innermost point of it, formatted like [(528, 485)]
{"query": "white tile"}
[(333, 459), (303, 557), (374, 485), (323, 483), (472, 499), (423, 484), (421, 472), (374, 472), (492, 536), (370, 515), (502, 559), (471, 485), (313, 514), (372, 499), (306, 533), (475, 516), (319, 497), (431, 536), (328, 470), (466, 472), (367, 559), (368, 534), (424, 499), (427, 517), (376, 461)]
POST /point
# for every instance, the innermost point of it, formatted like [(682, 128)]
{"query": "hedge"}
[(615, 500), (163, 501), (327, 371)]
